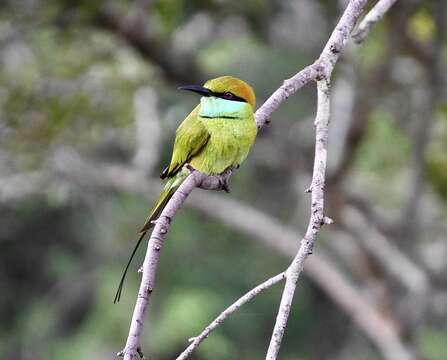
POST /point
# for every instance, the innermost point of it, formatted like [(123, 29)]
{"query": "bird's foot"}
[(224, 184)]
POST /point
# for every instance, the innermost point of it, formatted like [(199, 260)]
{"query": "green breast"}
[(232, 130)]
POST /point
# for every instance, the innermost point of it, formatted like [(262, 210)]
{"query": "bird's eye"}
[(228, 95)]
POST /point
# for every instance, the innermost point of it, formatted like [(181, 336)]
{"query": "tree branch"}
[(320, 268), (156, 241), (320, 68), (327, 59), (228, 311), (320, 71), (150, 264), (373, 16), (260, 227), (317, 218)]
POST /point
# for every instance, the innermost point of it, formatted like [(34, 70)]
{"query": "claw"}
[(224, 184), (225, 187)]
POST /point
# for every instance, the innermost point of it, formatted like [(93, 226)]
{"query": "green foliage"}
[(421, 26), (386, 148), (71, 78), (433, 343), (374, 47), (185, 312), (168, 14), (67, 81), (437, 155)]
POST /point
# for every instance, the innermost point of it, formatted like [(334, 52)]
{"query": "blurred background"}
[(88, 110)]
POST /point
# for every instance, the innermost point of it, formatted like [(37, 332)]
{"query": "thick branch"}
[(373, 16), (132, 348)]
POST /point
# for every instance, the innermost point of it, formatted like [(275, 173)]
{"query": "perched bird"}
[(216, 135)]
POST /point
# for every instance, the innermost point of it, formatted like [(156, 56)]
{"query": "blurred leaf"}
[(433, 343), (421, 26), (386, 148), (373, 49), (437, 155), (184, 313)]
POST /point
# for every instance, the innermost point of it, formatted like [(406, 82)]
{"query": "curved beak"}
[(197, 89)]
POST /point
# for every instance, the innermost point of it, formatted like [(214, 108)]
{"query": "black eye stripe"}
[(225, 96)]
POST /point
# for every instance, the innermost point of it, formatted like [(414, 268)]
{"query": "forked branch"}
[(195, 341), (374, 16), (320, 71)]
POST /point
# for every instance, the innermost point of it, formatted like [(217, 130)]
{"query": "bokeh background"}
[(88, 110)]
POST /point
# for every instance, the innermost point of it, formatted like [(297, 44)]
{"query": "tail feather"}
[(169, 190), (121, 284), (165, 196)]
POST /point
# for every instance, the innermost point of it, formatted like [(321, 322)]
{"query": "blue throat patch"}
[(214, 107)]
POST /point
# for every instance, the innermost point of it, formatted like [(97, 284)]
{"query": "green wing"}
[(191, 136)]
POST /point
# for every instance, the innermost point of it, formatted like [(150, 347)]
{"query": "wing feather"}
[(191, 137)]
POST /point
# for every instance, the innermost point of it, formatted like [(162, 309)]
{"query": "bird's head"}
[(226, 87)]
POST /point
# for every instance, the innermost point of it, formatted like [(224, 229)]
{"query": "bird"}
[(215, 136)]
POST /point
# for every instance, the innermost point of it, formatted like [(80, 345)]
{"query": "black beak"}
[(197, 89)]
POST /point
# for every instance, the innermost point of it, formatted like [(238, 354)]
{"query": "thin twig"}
[(228, 311), (380, 329), (373, 16), (319, 68), (329, 57), (316, 217)]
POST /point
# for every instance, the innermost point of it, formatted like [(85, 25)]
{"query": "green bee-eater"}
[(217, 134)]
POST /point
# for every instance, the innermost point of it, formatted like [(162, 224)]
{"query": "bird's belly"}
[(229, 143)]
